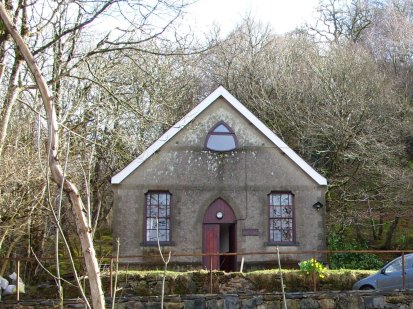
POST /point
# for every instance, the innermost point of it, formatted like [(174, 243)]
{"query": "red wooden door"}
[(211, 245), (217, 218)]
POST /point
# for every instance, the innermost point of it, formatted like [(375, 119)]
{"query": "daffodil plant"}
[(312, 265)]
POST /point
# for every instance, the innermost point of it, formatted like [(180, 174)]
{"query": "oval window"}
[(221, 138)]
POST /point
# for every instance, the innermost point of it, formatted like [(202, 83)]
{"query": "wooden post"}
[(111, 277), (210, 274), (314, 275), (403, 271), (17, 280), (284, 306)]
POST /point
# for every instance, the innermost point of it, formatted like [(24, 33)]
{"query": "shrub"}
[(351, 260)]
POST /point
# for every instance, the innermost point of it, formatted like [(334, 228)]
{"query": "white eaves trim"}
[(220, 91)]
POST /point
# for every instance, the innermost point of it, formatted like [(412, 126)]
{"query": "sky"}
[(282, 15)]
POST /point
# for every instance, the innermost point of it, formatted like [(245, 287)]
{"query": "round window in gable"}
[(221, 138)]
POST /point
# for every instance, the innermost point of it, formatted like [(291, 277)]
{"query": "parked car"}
[(390, 277)]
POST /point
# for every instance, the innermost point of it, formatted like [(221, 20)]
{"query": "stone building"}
[(219, 181)]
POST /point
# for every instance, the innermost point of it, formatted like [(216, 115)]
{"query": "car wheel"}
[(366, 287)]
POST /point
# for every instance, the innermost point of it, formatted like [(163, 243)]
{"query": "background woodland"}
[(339, 92)]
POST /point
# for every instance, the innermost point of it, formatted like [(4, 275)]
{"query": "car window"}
[(395, 266), (409, 261)]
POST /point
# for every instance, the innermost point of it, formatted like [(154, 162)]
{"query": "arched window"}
[(221, 138)]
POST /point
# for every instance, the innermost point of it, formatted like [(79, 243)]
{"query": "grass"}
[(149, 283), (263, 281)]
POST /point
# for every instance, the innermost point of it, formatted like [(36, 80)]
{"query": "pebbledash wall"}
[(196, 177), (321, 300)]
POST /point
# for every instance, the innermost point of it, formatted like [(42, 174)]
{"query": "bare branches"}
[(77, 27), (343, 19), (335, 105), (56, 170)]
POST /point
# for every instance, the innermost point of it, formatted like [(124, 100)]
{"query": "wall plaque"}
[(250, 232)]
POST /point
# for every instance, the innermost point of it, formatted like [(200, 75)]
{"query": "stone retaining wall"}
[(320, 300)]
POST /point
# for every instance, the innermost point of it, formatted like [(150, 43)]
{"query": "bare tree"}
[(84, 231), (336, 106), (342, 19)]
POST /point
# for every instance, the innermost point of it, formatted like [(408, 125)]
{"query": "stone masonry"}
[(321, 300)]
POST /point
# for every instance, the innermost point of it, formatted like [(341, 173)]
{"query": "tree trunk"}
[(9, 102), (83, 229), (4, 39), (381, 223), (8, 253), (390, 234), (372, 223)]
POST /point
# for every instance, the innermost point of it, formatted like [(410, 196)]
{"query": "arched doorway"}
[(219, 235)]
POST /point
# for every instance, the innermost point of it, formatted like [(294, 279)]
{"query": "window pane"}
[(163, 224), (163, 235), (276, 199), (153, 212), (222, 129), (286, 211), (151, 223), (408, 260), (163, 200), (287, 223), (276, 235), (275, 211), (285, 199), (287, 235), (395, 266), (154, 199), (162, 211), (151, 235), (275, 224), (221, 142)]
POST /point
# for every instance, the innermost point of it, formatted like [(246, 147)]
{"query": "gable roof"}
[(220, 91)]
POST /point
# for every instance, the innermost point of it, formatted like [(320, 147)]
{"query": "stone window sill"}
[(155, 244), (281, 244)]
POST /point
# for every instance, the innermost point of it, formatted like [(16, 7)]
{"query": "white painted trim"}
[(220, 91)]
